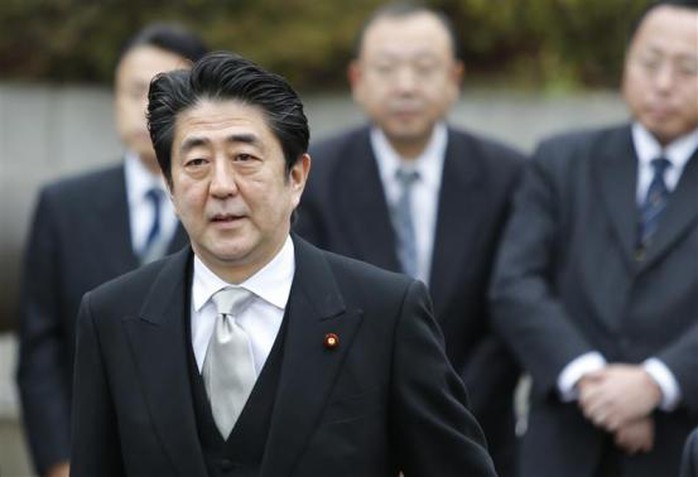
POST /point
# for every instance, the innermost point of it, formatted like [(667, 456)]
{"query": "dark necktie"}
[(404, 223), (655, 202), (228, 371), (154, 247)]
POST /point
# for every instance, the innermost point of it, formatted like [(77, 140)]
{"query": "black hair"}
[(401, 9), (170, 37), (224, 76)]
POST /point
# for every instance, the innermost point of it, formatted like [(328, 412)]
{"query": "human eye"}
[(384, 68), (687, 68), (649, 62), (243, 157), (425, 68), (195, 162)]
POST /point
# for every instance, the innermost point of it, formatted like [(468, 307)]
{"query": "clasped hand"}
[(620, 399)]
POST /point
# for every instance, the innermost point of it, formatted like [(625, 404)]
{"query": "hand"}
[(618, 394), (62, 469), (636, 436)]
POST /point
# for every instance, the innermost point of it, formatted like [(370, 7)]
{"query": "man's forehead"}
[(665, 19), (226, 120), (419, 30)]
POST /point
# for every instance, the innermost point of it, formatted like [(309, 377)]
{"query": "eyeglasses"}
[(419, 70), (679, 67)]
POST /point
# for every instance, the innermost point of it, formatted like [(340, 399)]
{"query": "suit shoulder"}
[(488, 148), (133, 284), (335, 147), (378, 281), (582, 140), (83, 185)]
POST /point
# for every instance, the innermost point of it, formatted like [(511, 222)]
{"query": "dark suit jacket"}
[(80, 238), (568, 280), (689, 462), (344, 209), (385, 399)]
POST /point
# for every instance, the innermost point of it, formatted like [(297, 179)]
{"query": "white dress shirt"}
[(425, 190), (139, 180), (261, 320), (647, 148)]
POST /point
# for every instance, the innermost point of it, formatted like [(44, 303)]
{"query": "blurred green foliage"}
[(517, 43)]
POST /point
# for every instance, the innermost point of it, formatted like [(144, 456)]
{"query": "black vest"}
[(241, 454)]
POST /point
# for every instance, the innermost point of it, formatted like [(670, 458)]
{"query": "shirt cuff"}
[(665, 379), (575, 370)]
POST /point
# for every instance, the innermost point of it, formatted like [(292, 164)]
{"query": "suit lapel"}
[(615, 171), (461, 201), (179, 240), (115, 239), (361, 201), (308, 369), (159, 348), (681, 212)]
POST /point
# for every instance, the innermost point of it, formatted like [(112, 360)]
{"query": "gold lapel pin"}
[(331, 341)]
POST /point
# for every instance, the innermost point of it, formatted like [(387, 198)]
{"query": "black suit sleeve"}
[(96, 449), (44, 375), (689, 461), (437, 435), (525, 308)]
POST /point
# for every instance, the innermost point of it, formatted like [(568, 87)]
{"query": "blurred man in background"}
[(596, 284), (409, 193), (87, 230)]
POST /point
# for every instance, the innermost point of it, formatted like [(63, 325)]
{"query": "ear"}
[(458, 73), (298, 177), (454, 83), (354, 76), (353, 72)]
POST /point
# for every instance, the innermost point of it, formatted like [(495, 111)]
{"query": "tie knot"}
[(232, 300), (406, 176), (660, 165), (154, 195)]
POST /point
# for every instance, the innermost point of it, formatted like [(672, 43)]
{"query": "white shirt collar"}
[(429, 164), (272, 283), (678, 152), (139, 180)]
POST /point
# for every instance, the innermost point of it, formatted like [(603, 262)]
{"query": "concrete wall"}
[(49, 132)]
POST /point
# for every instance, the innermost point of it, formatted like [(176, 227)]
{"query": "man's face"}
[(660, 80), (131, 82), (230, 186), (406, 76)]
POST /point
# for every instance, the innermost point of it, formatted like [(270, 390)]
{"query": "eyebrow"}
[(193, 142)]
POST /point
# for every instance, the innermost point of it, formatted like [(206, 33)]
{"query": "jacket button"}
[(226, 465)]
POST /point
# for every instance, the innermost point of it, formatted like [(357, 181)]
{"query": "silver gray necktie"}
[(404, 223), (228, 372)]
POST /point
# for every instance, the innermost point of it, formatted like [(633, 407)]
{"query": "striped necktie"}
[(155, 245), (654, 204)]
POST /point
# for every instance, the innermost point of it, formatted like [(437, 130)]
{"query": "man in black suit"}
[(406, 75), (595, 286), (321, 365), (87, 230)]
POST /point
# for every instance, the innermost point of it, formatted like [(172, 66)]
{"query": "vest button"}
[(226, 465)]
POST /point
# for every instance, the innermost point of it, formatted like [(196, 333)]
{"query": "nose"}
[(405, 79), (664, 77), (223, 178)]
